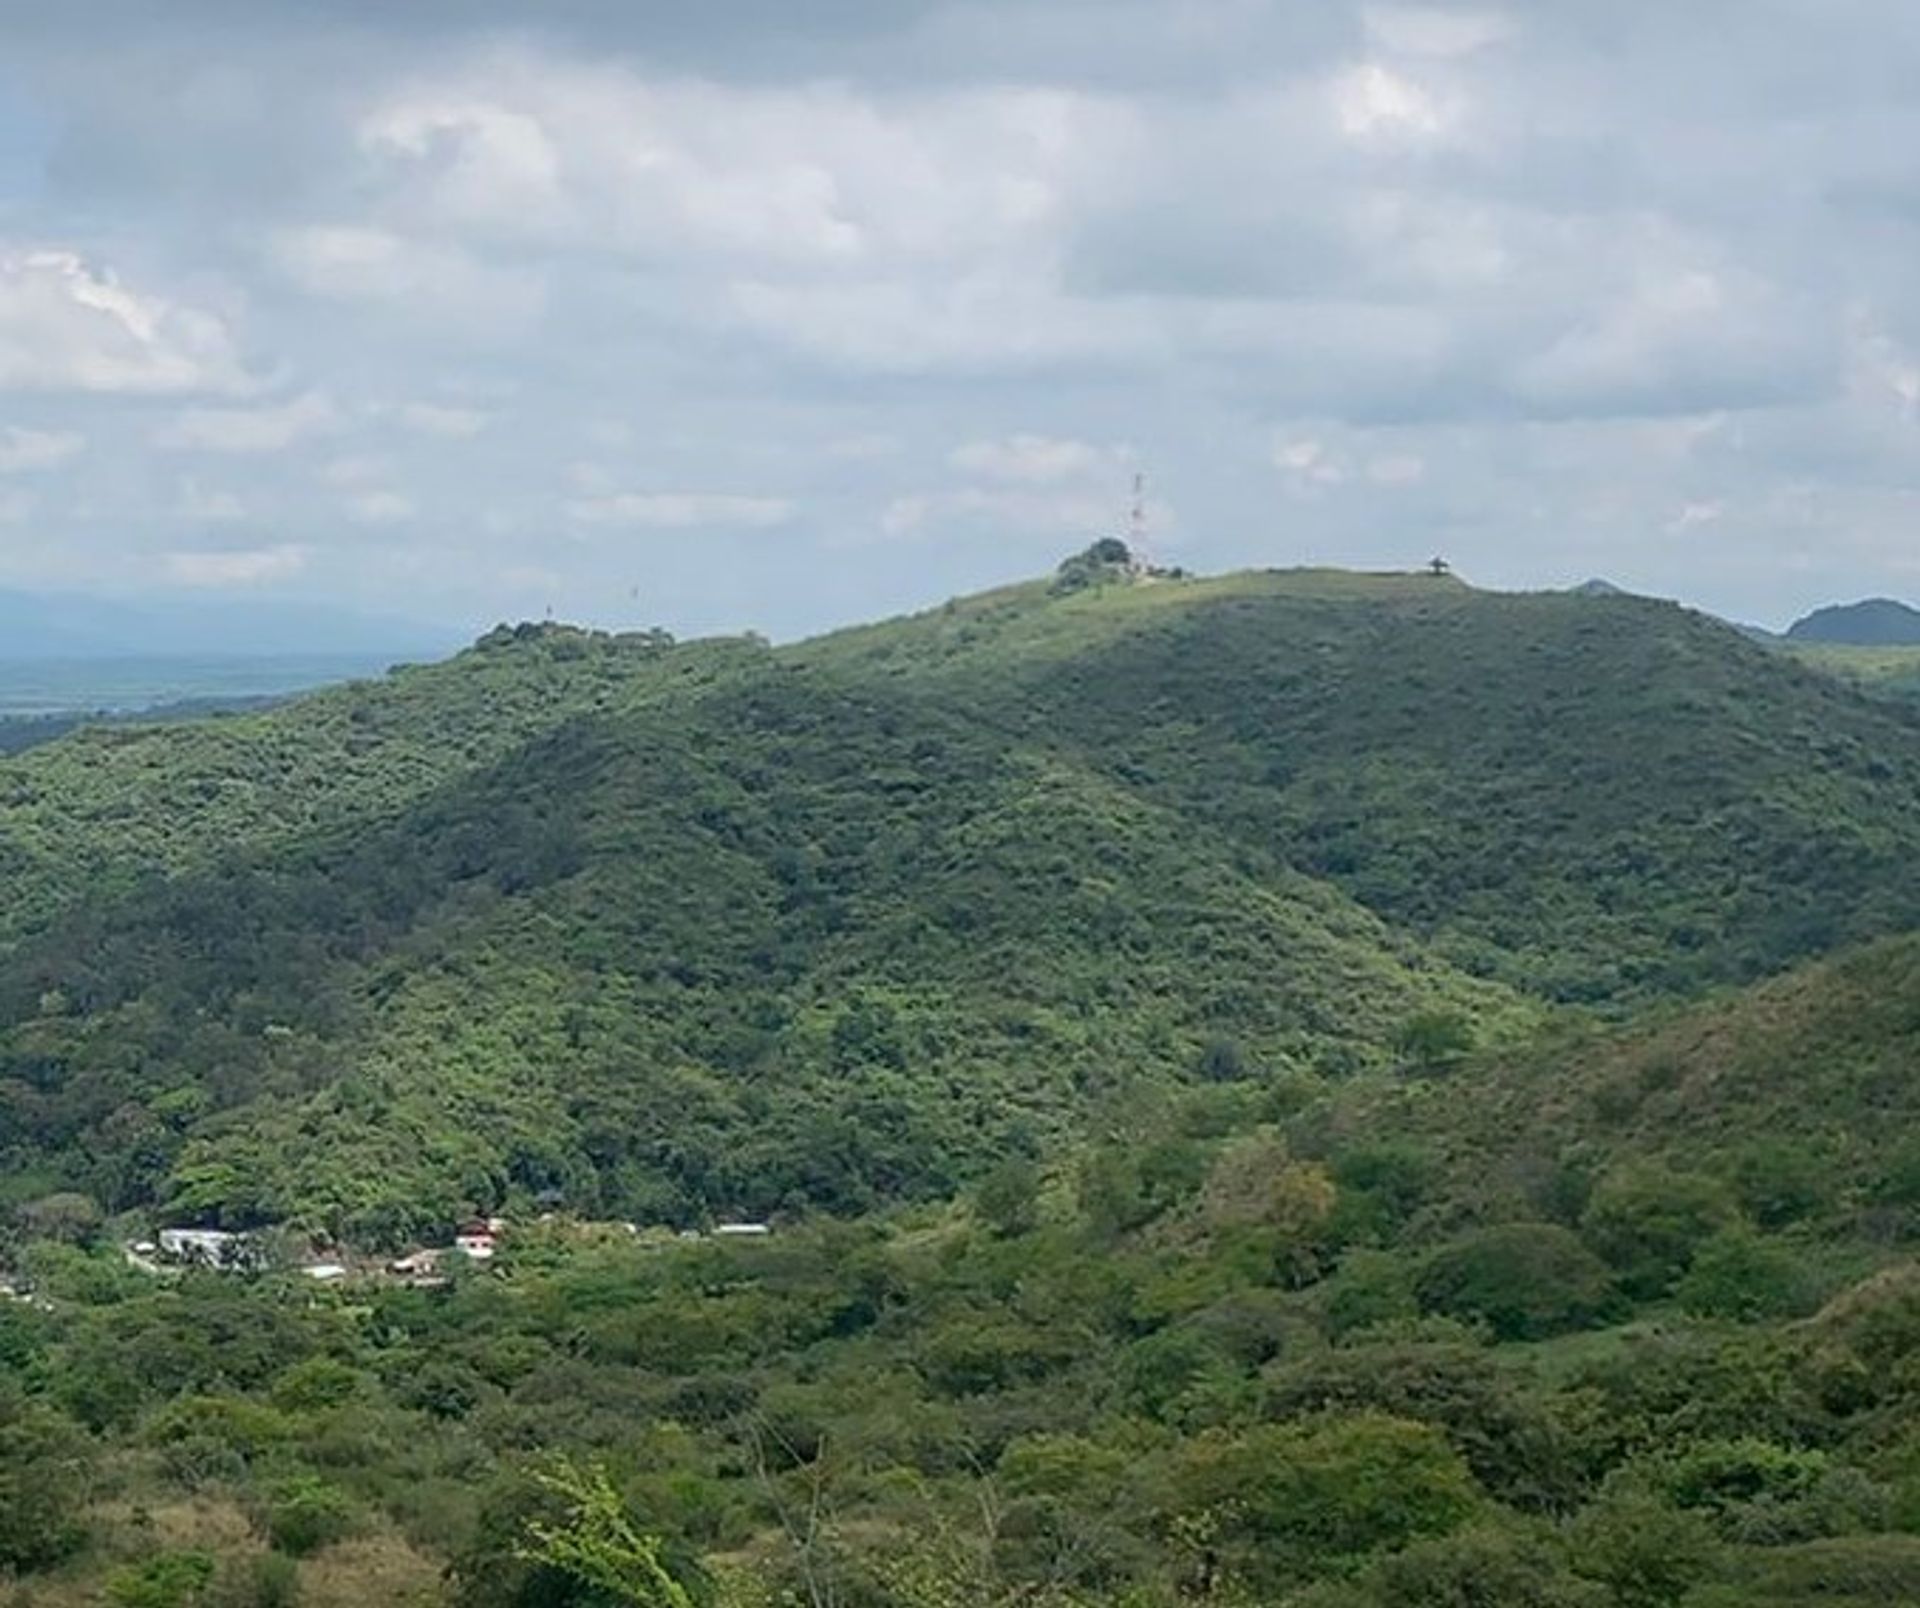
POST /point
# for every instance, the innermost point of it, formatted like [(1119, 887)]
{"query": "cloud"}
[(1032, 459), (1696, 513), (1523, 278), (1373, 101), (1056, 514), (251, 430), (23, 450), (1433, 31), (681, 510), (235, 566), (1397, 469), (430, 282), (529, 146), (448, 423), (1307, 463), (380, 508), (202, 505), (66, 325)]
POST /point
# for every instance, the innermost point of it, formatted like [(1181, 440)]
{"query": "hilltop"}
[(672, 928), (1878, 622)]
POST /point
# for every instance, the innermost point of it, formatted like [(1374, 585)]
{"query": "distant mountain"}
[(1877, 622), (38, 625), (1597, 587)]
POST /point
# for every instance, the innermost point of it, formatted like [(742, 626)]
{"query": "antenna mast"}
[(1137, 525)]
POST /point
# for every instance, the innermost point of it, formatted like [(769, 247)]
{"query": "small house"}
[(476, 1241), (742, 1230)]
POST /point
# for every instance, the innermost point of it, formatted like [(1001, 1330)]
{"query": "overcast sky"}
[(781, 314)]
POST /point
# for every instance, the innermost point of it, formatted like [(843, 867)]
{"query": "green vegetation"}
[(1307, 1089), (1892, 672)]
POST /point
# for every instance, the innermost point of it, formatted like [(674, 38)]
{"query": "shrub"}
[(1739, 1275), (1647, 1223), (1285, 1501), (1780, 1182), (1497, 1568), (1008, 1198), (1526, 1280), (171, 1580), (1371, 1287), (1647, 1554), (306, 1513), (45, 1463)]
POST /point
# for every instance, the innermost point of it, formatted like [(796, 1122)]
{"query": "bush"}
[(1286, 1501), (1480, 1568), (1780, 1182), (1371, 1287), (45, 1464), (1647, 1554), (171, 1580), (274, 1582), (1718, 1474), (1739, 1275), (1008, 1198), (305, 1513), (1434, 1041), (1647, 1222), (1525, 1280)]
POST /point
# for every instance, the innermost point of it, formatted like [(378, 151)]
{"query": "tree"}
[(305, 1513), (598, 1543), (1485, 1567), (45, 1464), (1221, 1060), (1739, 1275), (1286, 1501), (1371, 1287), (68, 1216), (1648, 1555), (1008, 1198), (1434, 1041), (1527, 1280), (1647, 1222), (1107, 559)]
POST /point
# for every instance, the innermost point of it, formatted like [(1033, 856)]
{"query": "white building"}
[(212, 1246)]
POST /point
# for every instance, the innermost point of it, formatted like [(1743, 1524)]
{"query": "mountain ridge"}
[(1294, 810), (1878, 622)]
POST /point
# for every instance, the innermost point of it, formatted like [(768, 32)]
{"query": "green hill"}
[(674, 929), (1305, 1089), (1798, 1094), (1877, 622), (1885, 672)]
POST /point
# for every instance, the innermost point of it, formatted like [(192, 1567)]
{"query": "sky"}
[(755, 314)]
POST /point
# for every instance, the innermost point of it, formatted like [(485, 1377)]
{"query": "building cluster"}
[(425, 1267)]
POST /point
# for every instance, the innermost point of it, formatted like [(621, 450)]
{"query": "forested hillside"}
[(676, 929), (1297, 1088)]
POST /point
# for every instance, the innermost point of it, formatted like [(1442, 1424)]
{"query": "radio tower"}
[(1137, 527)]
